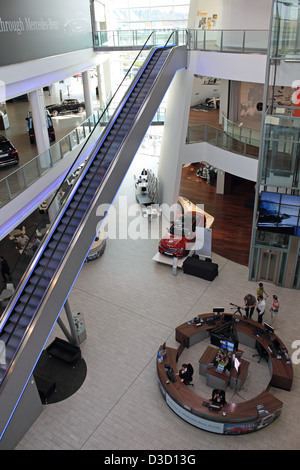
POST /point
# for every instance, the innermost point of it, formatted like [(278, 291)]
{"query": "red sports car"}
[(181, 234)]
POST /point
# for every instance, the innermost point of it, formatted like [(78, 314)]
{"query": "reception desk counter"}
[(233, 418)]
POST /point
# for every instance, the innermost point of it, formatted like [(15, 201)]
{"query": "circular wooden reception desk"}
[(232, 418)]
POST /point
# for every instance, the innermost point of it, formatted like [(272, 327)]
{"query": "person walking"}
[(261, 291), (274, 309), (5, 271)]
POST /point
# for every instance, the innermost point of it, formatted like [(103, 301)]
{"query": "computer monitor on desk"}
[(269, 328), (218, 310)]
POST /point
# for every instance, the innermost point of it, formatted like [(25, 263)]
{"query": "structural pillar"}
[(174, 138), (87, 91), (38, 111), (100, 98)]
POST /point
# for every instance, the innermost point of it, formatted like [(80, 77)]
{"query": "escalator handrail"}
[(73, 167), (41, 251)]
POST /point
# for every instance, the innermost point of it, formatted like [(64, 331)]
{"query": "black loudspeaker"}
[(199, 268)]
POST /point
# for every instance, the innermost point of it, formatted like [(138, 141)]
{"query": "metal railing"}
[(241, 133), (219, 138), (241, 41)]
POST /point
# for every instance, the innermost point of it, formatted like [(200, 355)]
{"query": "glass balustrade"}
[(242, 41), (219, 138), (241, 133), (27, 174)]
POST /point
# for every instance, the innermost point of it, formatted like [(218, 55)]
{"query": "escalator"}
[(43, 290)]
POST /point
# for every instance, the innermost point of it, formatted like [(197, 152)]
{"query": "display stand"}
[(79, 325)]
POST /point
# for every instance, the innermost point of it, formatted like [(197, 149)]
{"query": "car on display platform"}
[(8, 153), (67, 106), (182, 232)]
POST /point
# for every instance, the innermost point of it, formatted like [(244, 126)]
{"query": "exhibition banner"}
[(33, 29)]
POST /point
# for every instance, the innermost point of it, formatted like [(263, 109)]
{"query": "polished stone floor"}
[(131, 305)]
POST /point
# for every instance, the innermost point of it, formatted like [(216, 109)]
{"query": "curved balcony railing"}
[(219, 138), (241, 133), (241, 41)]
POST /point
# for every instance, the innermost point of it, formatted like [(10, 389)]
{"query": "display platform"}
[(168, 259), (232, 418), (144, 199)]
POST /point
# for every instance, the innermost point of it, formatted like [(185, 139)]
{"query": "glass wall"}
[(275, 245), (131, 14)]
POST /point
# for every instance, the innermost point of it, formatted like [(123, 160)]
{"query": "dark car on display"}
[(8, 153), (67, 106)]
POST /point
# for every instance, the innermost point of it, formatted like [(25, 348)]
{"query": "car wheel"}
[(54, 113), (80, 109)]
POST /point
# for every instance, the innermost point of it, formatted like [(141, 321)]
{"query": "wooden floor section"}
[(231, 232)]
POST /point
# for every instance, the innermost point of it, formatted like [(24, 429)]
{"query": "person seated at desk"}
[(32, 246), (218, 397), (22, 241), (186, 374), (144, 172)]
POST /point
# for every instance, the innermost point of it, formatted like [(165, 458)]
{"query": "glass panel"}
[(55, 153), (125, 38), (74, 139), (212, 40), (272, 266), (4, 197), (45, 161), (200, 39), (264, 265), (256, 41), (16, 183), (296, 279), (31, 171), (232, 40), (65, 145), (80, 131), (140, 14)]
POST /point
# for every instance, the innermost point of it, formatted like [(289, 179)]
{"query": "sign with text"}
[(33, 29)]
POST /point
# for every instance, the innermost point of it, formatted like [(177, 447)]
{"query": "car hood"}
[(172, 241), (52, 106)]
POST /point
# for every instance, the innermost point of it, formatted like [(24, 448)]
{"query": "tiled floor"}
[(131, 305)]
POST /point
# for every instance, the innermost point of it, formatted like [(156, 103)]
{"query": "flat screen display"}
[(279, 213)]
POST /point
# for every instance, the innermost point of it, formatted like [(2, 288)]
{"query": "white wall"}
[(238, 67), (233, 14), (31, 75)]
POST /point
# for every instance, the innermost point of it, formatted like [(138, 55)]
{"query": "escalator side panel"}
[(73, 259)]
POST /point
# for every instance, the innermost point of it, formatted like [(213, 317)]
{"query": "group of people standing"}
[(259, 302)]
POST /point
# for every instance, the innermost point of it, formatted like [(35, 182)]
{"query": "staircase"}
[(32, 313)]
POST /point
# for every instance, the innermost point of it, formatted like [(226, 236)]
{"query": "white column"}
[(100, 97), (87, 91), (220, 182), (174, 136), (37, 104)]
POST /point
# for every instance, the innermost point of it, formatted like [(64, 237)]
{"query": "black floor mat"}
[(67, 378)]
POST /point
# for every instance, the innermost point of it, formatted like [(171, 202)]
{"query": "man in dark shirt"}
[(186, 373), (250, 304), (5, 271)]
